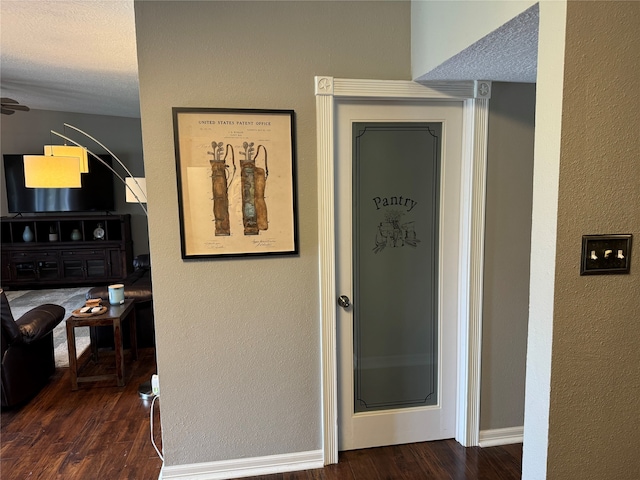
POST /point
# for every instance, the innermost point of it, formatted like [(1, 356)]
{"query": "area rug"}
[(21, 301)]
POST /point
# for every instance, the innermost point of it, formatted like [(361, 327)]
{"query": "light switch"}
[(605, 254)]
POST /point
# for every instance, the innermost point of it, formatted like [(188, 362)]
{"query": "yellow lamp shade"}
[(69, 151), (45, 171)]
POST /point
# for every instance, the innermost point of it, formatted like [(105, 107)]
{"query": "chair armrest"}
[(39, 321), (140, 292)]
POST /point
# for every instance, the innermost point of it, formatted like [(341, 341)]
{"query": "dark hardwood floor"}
[(442, 460), (102, 432), (97, 432)]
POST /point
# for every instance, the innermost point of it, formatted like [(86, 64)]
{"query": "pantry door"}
[(458, 281), (398, 190)]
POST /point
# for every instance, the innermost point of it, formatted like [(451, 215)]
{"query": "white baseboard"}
[(245, 467), (501, 436)]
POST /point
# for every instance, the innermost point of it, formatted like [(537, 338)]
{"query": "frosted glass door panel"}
[(395, 210)]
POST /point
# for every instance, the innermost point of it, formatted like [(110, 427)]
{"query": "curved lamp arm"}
[(108, 166), (108, 151)]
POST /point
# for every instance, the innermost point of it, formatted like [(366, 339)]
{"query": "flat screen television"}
[(95, 195)]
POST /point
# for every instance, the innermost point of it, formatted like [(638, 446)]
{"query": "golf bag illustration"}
[(220, 186), (253, 182)]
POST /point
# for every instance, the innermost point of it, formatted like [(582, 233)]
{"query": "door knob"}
[(344, 301)]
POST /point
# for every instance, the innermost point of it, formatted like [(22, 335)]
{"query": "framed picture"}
[(236, 181)]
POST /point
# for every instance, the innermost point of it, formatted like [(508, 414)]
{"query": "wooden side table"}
[(114, 316)]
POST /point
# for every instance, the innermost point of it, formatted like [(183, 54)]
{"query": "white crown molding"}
[(244, 467), (461, 90), (347, 87)]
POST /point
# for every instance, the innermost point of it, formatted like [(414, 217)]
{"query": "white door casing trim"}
[(474, 96), (472, 231)]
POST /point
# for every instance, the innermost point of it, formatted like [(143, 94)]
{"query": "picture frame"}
[(236, 174)]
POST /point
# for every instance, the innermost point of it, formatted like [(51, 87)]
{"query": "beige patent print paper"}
[(236, 181)]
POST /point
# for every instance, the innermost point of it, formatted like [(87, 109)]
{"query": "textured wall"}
[(506, 254), (28, 132), (442, 29), (594, 429), (238, 340)]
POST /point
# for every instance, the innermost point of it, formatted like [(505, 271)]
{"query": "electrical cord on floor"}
[(155, 397)]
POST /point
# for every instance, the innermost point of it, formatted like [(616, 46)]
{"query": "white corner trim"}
[(482, 89), (501, 436), (324, 85), (245, 467)]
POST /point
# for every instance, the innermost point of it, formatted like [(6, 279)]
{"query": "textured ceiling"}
[(508, 54), (72, 56), (80, 55)]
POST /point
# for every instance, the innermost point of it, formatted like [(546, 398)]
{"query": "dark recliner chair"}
[(27, 351)]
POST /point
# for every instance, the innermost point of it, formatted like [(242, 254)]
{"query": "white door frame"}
[(474, 97)]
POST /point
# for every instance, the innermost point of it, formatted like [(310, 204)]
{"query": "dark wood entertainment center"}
[(70, 260)]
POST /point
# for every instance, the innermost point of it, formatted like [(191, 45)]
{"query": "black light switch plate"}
[(605, 254)]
